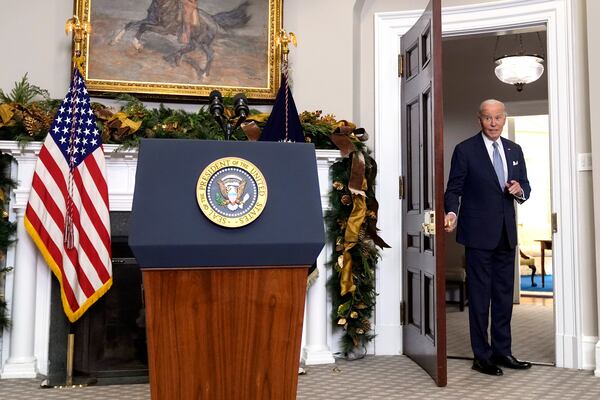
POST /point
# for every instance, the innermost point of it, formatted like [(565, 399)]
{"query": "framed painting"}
[(182, 48)]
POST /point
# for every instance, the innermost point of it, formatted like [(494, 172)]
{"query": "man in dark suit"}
[(487, 175)]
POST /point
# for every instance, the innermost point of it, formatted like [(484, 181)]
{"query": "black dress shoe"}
[(486, 367), (510, 362)]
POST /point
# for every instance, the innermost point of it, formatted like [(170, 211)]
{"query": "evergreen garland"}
[(352, 311), (4, 320), (7, 230), (24, 119)]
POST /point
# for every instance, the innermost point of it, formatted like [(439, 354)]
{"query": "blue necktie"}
[(498, 167)]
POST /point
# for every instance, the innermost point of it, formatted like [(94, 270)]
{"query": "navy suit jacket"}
[(473, 193)]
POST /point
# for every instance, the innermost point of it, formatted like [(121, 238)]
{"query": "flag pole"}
[(80, 28), (70, 354), (69, 379), (284, 39), (73, 145)]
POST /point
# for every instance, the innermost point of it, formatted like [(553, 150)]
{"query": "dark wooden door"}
[(424, 330)]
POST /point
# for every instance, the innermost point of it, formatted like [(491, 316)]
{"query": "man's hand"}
[(449, 222), (514, 188)]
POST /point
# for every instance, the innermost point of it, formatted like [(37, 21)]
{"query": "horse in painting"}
[(194, 28)]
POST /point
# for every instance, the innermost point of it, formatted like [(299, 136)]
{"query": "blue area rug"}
[(526, 283)]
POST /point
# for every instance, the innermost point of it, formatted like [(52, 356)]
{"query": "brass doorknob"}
[(428, 225)]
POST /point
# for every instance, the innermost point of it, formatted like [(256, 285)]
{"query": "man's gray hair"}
[(491, 102)]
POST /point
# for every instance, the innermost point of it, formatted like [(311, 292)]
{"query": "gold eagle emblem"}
[(232, 190)]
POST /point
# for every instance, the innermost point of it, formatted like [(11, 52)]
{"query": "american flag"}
[(67, 213)]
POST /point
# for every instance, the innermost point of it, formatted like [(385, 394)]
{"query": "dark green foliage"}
[(318, 133), (23, 93), (4, 321), (354, 310), (164, 123), (31, 120), (7, 230)]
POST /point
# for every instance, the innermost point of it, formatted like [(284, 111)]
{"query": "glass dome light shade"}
[(519, 69)]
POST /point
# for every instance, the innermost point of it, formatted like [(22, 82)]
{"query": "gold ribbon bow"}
[(124, 126), (355, 221), (6, 115), (344, 137)]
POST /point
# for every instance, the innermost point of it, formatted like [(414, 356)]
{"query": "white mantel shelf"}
[(24, 347)]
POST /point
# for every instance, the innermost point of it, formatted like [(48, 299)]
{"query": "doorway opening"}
[(468, 80), (534, 283), (572, 349)]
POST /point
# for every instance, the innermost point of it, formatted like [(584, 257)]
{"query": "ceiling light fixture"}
[(519, 69)]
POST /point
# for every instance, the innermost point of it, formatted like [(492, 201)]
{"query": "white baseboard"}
[(316, 356), (597, 352), (590, 350), (24, 368), (388, 340), (567, 353)]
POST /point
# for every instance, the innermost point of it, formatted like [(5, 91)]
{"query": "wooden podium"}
[(224, 306)]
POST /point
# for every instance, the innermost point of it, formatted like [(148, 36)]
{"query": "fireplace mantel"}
[(24, 347)]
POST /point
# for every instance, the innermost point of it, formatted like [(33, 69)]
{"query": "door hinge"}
[(400, 65), (554, 222), (401, 188), (403, 313)]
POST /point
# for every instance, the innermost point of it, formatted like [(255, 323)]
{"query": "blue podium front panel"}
[(168, 228)]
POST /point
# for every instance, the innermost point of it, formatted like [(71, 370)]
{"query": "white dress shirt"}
[(489, 145)]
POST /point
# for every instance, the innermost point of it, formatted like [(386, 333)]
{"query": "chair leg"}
[(461, 294), (533, 269), (543, 277)]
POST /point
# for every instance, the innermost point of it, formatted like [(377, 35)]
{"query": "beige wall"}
[(332, 71), (322, 64), (585, 213), (332, 68), (365, 91), (34, 41)]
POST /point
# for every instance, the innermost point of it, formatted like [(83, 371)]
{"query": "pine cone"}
[(361, 233), (36, 120)]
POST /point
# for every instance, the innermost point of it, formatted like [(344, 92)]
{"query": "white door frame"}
[(465, 20)]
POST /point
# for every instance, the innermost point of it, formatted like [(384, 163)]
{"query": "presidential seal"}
[(231, 192)]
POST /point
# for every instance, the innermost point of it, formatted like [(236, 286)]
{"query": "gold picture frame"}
[(182, 48)]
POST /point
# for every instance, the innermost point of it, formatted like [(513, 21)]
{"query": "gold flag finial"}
[(80, 29), (284, 39)]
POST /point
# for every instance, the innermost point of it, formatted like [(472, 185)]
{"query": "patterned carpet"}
[(372, 378), (397, 377), (532, 331)]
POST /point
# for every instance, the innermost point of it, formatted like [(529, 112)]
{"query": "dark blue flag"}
[(275, 128)]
